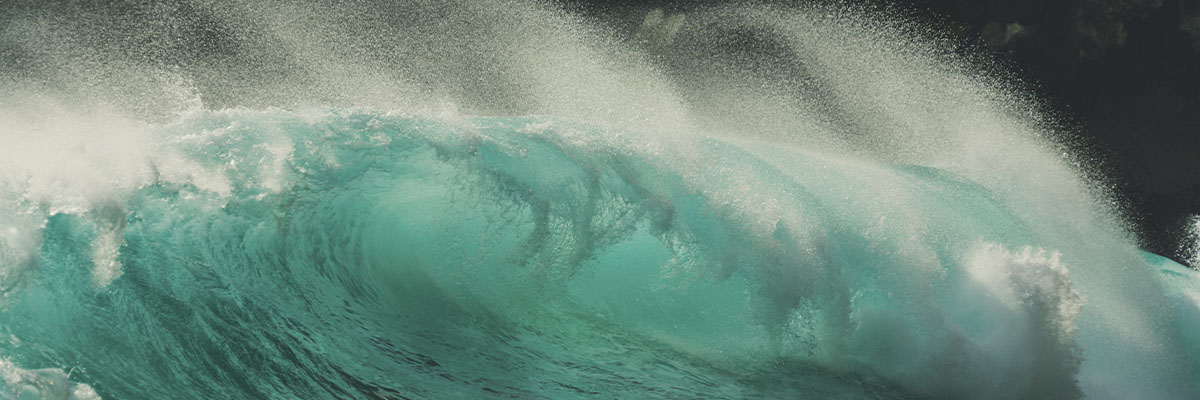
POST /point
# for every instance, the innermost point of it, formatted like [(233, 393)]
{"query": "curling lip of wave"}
[(744, 201)]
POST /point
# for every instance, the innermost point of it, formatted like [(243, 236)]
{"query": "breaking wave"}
[(739, 202)]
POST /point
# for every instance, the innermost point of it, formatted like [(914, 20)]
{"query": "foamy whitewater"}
[(509, 199)]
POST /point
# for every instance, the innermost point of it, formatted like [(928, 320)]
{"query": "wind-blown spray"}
[(504, 199)]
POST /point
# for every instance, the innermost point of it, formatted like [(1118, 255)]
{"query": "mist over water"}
[(509, 199)]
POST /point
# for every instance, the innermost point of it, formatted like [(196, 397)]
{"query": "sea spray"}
[(463, 199)]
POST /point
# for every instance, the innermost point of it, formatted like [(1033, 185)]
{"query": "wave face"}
[(508, 200), (359, 254)]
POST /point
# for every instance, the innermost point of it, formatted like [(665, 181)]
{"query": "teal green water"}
[(355, 254)]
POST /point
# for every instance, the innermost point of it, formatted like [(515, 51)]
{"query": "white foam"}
[(41, 384), (1031, 281)]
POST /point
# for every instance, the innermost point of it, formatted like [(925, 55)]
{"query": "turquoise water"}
[(506, 199), (356, 254)]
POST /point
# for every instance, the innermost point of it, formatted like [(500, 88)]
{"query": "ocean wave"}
[(358, 253)]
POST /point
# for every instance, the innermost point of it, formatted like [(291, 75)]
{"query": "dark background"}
[(1128, 71), (1125, 74)]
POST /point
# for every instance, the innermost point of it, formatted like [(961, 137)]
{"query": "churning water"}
[(505, 199)]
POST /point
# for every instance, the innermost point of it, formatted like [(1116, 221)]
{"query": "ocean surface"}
[(736, 203)]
